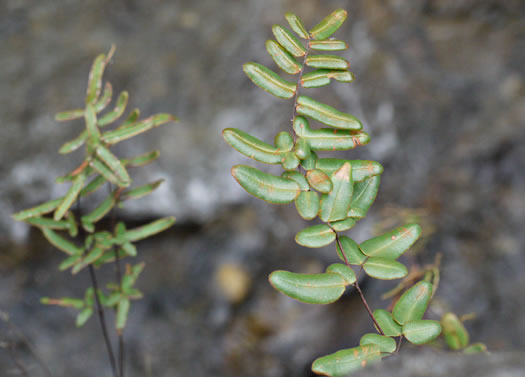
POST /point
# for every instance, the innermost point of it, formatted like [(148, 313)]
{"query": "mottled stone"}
[(439, 86)]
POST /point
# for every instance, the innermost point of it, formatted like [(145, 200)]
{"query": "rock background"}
[(440, 87)]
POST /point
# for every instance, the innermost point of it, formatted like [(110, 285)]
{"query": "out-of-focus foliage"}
[(77, 233)]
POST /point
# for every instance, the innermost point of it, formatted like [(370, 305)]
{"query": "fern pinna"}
[(338, 191)]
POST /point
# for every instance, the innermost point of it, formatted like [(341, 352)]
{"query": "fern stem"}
[(100, 311), (102, 320), (296, 95), (399, 343), (358, 288), (118, 275)]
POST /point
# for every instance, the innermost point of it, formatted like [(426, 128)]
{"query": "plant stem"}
[(102, 320), (100, 309), (118, 273), (296, 95), (358, 288), (121, 353), (399, 343), (365, 303)]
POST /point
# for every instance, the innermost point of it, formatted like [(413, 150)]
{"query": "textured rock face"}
[(439, 86), (441, 364)]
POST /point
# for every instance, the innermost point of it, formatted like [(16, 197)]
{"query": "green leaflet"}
[(105, 99), (70, 261), (351, 251), (322, 77), (131, 276), (109, 257), (70, 197), (74, 144), (103, 239), (361, 169), (387, 323), (101, 210), (455, 334), (384, 343), (122, 314), (342, 225), (282, 58), (297, 25), (328, 45), (83, 316), (73, 226), (276, 190), (162, 118), (141, 160), (475, 348), (290, 161), (90, 258), (297, 177), (70, 177), (93, 185), (114, 164), (129, 249), (327, 62), (104, 171), (327, 139), (309, 162), (61, 243), (38, 210), (127, 131), (113, 300), (346, 272), (319, 181), (365, 193), (322, 288), (344, 362), (65, 302), (148, 230), (45, 222), (95, 79), (384, 269), (90, 118), (326, 114), (120, 106), (421, 331), (302, 149), (315, 236), (392, 244), (412, 305), (288, 41), (335, 205), (328, 25), (132, 118), (307, 204), (69, 115), (269, 81), (284, 141), (141, 191)]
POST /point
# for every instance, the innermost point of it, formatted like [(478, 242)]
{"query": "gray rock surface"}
[(443, 364), (439, 86)]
